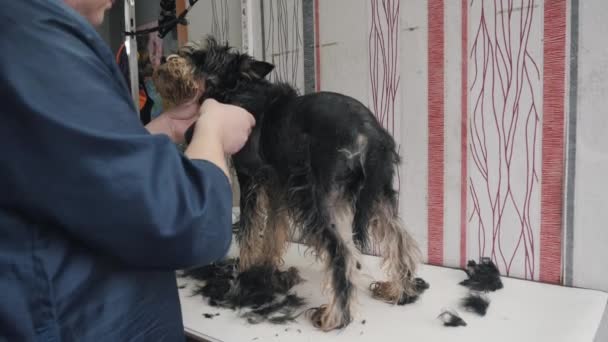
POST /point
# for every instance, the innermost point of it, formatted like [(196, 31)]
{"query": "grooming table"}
[(521, 311)]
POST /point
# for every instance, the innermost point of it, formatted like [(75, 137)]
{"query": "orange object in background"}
[(182, 31)]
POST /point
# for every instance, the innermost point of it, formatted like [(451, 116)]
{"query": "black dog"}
[(320, 163)]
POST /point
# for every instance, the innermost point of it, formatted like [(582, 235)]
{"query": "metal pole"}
[(131, 49), (247, 26)]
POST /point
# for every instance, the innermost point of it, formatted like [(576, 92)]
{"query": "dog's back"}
[(325, 140)]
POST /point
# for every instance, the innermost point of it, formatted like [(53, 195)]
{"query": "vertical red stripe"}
[(317, 48), (436, 133), (463, 127), (554, 76)]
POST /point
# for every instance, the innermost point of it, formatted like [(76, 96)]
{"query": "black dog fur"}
[(484, 276), (476, 302), (264, 292), (314, 158), (451, 319)]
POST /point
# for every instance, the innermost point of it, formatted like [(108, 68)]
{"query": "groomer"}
[(97, 211)]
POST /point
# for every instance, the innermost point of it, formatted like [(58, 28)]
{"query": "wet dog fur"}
[(318, 164)]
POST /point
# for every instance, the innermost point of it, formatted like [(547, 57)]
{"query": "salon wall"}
[(220, 18), (146, 16), (588, 232), (499, 109), (146, 11)]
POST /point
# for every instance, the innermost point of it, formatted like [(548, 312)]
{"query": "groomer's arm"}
[(89, 169), (208, 147), (221, 129)]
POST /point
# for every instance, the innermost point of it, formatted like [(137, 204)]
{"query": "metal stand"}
[(247, 26), (131, 49)]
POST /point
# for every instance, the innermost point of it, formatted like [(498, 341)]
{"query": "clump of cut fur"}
[(476, 302), (484, 276), (451, 319), (261, 293)]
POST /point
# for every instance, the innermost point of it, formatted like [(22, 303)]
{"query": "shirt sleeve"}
[(75, 156)]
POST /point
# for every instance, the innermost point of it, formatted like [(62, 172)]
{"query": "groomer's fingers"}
[(252, 118)]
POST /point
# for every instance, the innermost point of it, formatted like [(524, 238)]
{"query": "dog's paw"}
[(391, 293), (322, 318), (420, 285)]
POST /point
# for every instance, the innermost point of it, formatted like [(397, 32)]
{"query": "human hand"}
[(230, 124)]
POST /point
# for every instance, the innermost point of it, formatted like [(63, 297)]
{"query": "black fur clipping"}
[(451, 319), (484, 276), (421, 285), (476, 302), (405, 299), (220, 270), (262, 293)]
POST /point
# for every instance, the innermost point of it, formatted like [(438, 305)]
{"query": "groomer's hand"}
[(232, 125), (221, 129)]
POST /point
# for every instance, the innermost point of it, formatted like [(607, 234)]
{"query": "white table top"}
[(522, 311)]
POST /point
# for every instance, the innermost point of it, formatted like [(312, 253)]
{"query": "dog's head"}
[(221, 67)]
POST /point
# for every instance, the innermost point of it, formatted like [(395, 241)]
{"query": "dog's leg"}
[(400, 252), (364, 212), (334, 244), (263, 230), (377, 217)]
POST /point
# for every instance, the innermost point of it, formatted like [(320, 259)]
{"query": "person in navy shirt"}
[(97, 211)]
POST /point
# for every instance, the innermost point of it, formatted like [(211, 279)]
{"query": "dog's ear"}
[(261, 69), (256, 69)]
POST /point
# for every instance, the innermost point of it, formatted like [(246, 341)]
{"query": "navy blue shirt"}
[(96, 214)]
